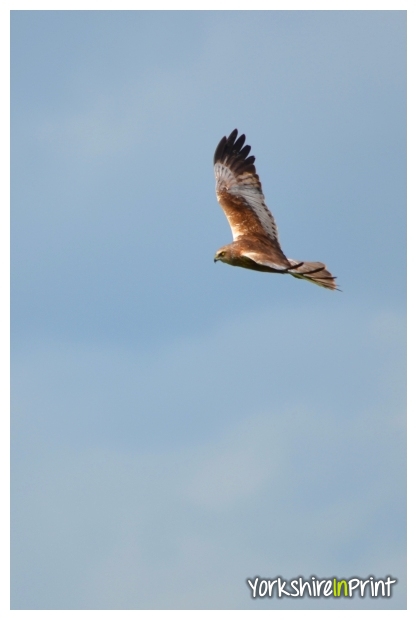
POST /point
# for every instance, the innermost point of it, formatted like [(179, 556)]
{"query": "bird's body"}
[(255, 236)]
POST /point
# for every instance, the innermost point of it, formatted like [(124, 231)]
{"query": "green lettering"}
[(339, 587)]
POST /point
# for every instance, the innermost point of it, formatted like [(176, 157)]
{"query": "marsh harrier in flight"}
[(255, 236)]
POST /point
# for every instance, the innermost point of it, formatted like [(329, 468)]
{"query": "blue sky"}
[(178, 422)]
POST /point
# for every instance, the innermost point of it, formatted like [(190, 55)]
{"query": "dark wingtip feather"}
[(245, 151), (232, 136), (240, 142), (219, 150), (231, 151)]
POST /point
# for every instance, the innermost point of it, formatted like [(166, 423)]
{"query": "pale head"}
[(224, 254)]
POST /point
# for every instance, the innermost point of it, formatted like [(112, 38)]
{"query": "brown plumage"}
[(255, 236)]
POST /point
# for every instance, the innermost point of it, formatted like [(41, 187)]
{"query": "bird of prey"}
[(255, 236)]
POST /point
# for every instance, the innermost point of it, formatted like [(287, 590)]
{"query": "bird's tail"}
[(313, 272)]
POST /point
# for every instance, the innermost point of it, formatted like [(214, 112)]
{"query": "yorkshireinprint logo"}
[(321, 587)]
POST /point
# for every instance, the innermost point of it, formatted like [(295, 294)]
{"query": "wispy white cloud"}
[(190, 517), (316, 488), (177, 427)]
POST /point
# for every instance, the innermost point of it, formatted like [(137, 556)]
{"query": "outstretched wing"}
[(239, 190)]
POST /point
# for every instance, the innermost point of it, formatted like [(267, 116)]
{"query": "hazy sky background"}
[(180, 426)]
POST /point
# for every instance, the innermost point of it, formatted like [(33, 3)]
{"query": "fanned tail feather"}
[(313, 272)]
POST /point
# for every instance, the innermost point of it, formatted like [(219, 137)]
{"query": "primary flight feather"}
[(255, 236)]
